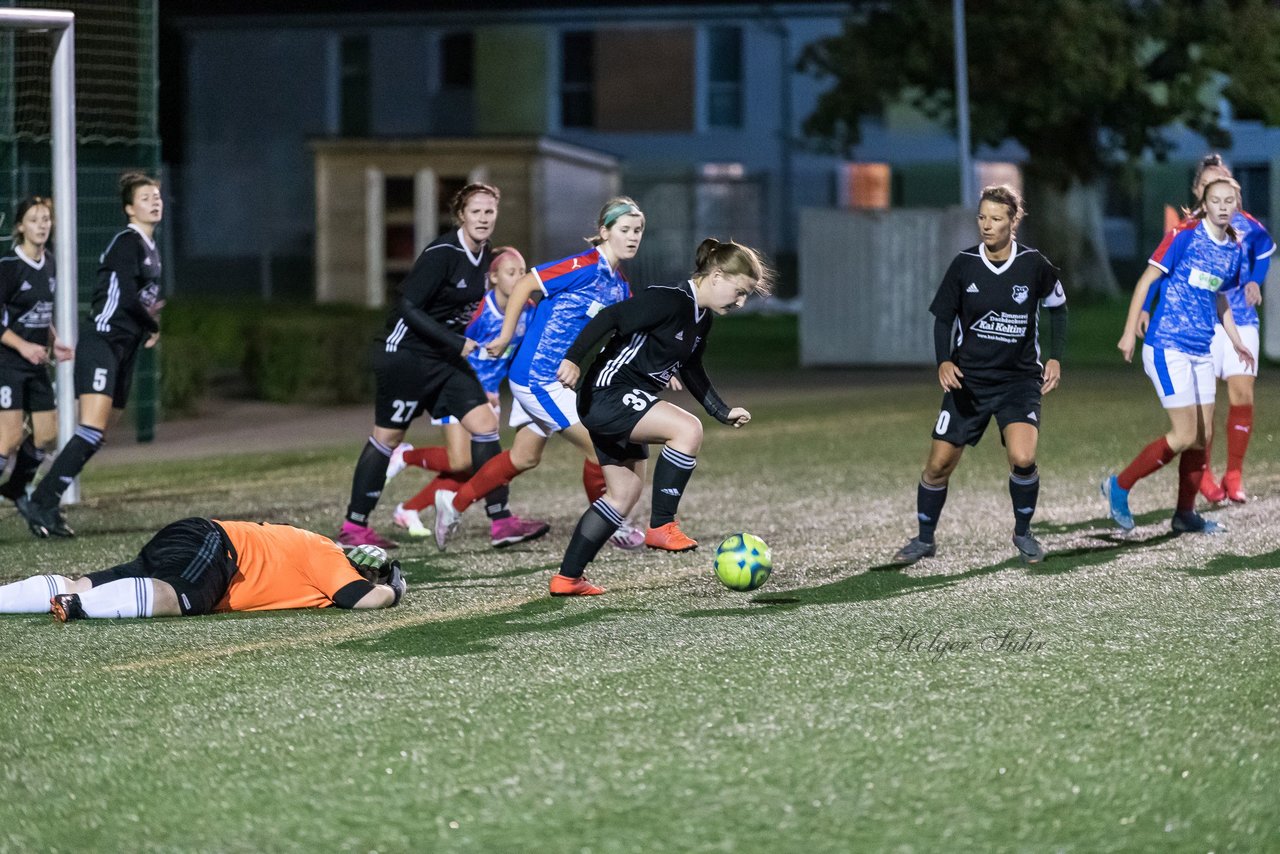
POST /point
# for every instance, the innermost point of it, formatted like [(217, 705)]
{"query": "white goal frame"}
[(61, 27)]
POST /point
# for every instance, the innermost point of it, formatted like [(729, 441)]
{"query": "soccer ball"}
[(743, 562)]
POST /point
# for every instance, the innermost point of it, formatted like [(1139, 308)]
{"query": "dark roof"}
[(220, 8)]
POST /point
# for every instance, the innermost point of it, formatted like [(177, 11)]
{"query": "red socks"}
[(427, 497), (1239, 428), (498, 471), (1152, 457), (1190, 470), (435, 458), (593, 480)]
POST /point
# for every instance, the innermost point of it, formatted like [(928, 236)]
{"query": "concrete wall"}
[(866, 281)]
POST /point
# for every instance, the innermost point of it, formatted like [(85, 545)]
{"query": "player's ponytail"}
[(614, 210), (733, 259)]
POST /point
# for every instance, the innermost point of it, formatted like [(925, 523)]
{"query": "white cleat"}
[(447, 518), (397, 464), (410, 521)]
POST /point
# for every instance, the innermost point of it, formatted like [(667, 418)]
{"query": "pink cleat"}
[(513, 529), (353, 535), (627, 537)]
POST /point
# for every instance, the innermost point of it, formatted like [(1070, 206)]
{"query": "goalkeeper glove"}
[(369, 561)]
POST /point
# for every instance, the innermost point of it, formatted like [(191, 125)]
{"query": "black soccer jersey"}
[(439, 297), (26, 297), (658, 333), (995, 309), (128, 287)]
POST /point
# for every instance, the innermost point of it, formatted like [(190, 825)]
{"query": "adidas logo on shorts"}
[(1032, 416)]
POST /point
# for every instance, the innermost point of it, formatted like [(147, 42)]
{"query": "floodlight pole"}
[(61, 27), (962, 104)]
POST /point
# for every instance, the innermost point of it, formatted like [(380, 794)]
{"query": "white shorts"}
[(1180, 380), (453, 419), (1226, 362), (545, 409)]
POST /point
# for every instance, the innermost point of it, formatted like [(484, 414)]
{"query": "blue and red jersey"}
[(575, 289), (485, 325), (1197, 268), (1258, 248)]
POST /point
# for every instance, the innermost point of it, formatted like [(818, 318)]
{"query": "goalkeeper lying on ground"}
[(200, 566)]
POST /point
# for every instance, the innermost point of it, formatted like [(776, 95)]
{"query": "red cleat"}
[(1211, 490), (1233, 489), (563, 585), (670, 538)]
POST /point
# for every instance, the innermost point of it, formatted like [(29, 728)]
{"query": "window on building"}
[(865, 186), (724, 77), (354, 86), (577, 79), (457, 61)]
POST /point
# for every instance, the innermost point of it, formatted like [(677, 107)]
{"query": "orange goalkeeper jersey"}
[(281, 566)]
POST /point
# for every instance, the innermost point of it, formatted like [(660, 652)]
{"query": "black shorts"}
[(105, 366), (411, 383), (25, 387), (610, 414), (194, 556), (965, 413)]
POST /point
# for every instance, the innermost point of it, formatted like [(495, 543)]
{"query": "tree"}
[(1082, 85)]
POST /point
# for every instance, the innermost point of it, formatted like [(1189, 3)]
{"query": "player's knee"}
[(691, 434), (525, 458), (1022, 463)]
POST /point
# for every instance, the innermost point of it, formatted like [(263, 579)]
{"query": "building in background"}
[(700, 105)]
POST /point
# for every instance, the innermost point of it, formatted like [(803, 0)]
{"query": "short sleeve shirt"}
[(1197, 268)]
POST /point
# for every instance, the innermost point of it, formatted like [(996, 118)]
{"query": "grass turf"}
[(1121, 696)]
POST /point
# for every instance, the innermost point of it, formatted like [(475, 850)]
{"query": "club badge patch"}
[(1020, 294)]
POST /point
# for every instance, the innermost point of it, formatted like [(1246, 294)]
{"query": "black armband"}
[(348, 596), (941, 340), (1057, 332)]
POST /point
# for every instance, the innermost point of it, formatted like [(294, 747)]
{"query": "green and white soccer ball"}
[(743, 562)]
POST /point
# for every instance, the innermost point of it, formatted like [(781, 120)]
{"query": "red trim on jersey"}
[(574, 262), (1157, 257)]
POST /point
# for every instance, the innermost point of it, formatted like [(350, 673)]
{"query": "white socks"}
[(128, 597), (31, 595)]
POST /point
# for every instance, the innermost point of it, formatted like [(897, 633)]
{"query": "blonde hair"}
[(1003, 194), (733, 259), (614, 210)]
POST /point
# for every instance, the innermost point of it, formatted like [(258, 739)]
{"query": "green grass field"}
[(1120, 697)]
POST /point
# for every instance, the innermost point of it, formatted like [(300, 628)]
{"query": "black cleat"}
[(1029, 548), (66, 607), (58, 526), (914, 551), (34, 514)]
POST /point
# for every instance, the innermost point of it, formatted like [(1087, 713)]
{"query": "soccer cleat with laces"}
[(410, 521), (915, 550), (397, 464), (627, 537), (1233, 489), (353, 535), (1029, 548), (670, 538), (513, 529), (1191, 522), (1211, 489), (447, 518), (66, 607), (563, 585), (1117, 503)]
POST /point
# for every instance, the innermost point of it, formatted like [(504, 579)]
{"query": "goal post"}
[(61, 27)]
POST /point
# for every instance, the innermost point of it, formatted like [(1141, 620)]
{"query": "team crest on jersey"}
[(1020, 293)]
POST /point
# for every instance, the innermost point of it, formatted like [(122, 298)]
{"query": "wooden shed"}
[(380, 202)]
